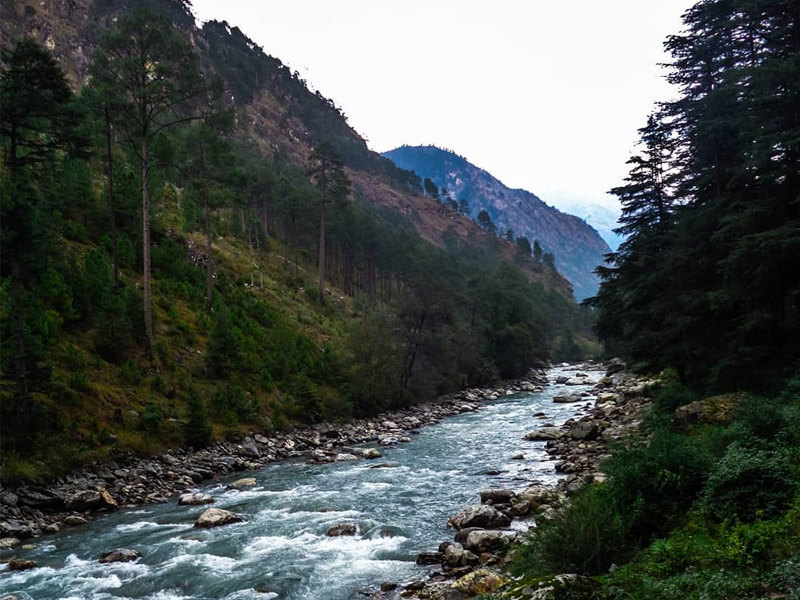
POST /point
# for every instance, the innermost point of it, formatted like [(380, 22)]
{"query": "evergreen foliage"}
[(707, 279)]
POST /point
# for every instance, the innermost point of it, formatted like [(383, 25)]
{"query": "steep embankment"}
[(577, 247)]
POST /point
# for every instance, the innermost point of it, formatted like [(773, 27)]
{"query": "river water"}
[(281, 550)]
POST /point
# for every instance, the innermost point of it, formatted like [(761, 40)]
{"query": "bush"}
[(653, 486), (197, 431), (152, 419), (749, 483), (586, 536)]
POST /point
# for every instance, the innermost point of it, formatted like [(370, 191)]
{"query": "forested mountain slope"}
[(578, 249), (240, 260)]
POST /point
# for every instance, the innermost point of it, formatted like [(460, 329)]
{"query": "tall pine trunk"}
[(112, 222), (322, 250), (209, 265), (146, 284)]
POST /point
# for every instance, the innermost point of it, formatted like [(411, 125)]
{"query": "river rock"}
[(8, 542), (371, 453), (430, 558), (194, 499), (15, 529), (214, 517), (119, 555), (342, 529), (485, 540), (532, 498), (462, 534), (75, 521), (585, 430), (456, 556), (478, 582), (544, 434), (479, 515), (614, 366), (242, 483), (567, 398), (497, 496), (85, 500), (40, 498), (575, 381), (21, 564)]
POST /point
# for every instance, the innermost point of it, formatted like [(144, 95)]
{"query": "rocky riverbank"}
[(28, 512), (474, 562)]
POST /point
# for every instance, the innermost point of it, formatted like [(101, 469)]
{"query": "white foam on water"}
[(209, 562), (250, 595), (140, 525), (375, 485)]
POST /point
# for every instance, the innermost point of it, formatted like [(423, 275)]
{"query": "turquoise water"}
[(281, 550)]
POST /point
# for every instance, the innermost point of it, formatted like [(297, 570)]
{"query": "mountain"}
[(256, 323), (577, 247), (599, 216)]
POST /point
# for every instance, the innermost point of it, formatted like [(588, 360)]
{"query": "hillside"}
[(577, 247), (247, 334)]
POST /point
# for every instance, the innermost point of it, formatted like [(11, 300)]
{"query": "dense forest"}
[(705, 291), (167, 278)]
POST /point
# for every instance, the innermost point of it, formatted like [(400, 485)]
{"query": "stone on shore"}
[(371, 453), (430, 558), (75, 521), (456, 556), (119, 555), (487, 540), (215, 517), (478, 582), (91, 500), (545, 434), (479, 515), (497, 496)]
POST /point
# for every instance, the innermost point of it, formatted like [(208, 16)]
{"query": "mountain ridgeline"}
[(230, 257), (577, 247)]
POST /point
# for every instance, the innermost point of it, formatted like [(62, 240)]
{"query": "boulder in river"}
[(342, 529), (8, 542), (544, 434), (214, 517), (242, 483), (90, 500), (119, 555), (567, 398), (479, 515), (194, 499), (371, 453), (75, 521), (21, 564)]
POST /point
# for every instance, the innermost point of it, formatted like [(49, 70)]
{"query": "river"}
[(281, 550)]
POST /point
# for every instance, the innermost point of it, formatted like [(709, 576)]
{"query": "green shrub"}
[(79, 381), (653, 486), (74, 357), (152, 419), (197, 431), (586, 536), (749, 483), (130, 372)]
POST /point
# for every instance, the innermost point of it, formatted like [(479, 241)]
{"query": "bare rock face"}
[(497, 496), (215, 517), (119, 555), (479, 515)]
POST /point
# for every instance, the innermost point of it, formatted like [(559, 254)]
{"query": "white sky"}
[(544, 94)]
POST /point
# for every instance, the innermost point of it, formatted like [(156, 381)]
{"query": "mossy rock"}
[(567, 586)]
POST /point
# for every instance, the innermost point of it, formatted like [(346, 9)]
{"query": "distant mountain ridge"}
[(577, 246)]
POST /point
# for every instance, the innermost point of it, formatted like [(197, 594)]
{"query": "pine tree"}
[(151, 76)]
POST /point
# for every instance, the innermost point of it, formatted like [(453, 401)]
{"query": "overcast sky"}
[(544, 94)]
